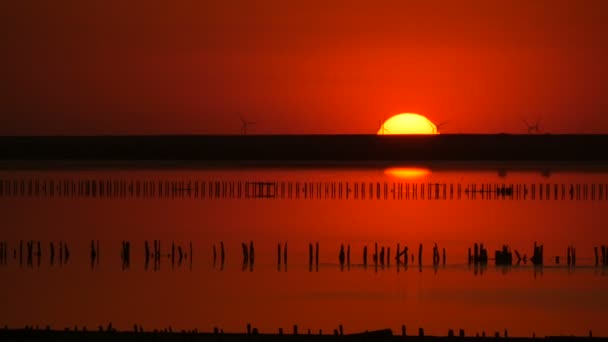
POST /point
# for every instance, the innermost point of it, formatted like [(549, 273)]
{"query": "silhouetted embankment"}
[(380, 335), (305, 149)]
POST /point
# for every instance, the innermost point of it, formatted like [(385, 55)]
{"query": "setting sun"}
[(408, 123)]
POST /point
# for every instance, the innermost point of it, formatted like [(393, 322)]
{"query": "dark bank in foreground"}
[(378, 335), (308, 148)]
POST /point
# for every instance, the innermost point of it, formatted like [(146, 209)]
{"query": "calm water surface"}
[(353, 207)]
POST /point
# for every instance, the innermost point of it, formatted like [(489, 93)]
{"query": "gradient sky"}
[(137, 67)]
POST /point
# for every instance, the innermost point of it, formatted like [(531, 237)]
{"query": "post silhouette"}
[(251, 253), (375, 256), (348, 255), (398, 256), (285, 256), (222, 255)]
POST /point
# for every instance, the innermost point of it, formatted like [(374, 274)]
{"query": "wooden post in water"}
[(245, 253), (397, 255), (348, 255), (420, 255), (364, 256), (476, 253), (251, 253), (375, 256), (285, 255), (222, 254), (279, 255), (317, 255)]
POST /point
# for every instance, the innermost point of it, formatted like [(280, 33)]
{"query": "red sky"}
[(136, 67)]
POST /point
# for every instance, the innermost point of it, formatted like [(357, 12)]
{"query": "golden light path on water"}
[(407, 172)]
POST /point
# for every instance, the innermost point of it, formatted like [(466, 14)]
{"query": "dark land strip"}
[(309, 149)]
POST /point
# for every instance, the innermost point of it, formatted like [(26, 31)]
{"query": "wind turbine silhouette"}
[(383, 128), (245, 124), (438, 126), (534, 127)]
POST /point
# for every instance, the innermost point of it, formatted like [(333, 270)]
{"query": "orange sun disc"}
[(408, 123)]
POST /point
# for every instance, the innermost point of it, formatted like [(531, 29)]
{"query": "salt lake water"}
[(193, 210)]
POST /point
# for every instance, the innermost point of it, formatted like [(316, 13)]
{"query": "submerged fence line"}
[(295, 190), (30, 254)]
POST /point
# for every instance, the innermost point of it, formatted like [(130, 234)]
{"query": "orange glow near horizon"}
[(407, 123), (407, 172)]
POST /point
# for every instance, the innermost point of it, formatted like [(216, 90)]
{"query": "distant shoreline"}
[(303, 150)]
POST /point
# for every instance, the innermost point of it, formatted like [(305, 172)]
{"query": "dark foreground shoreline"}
[(308, 149), (381, 335)]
